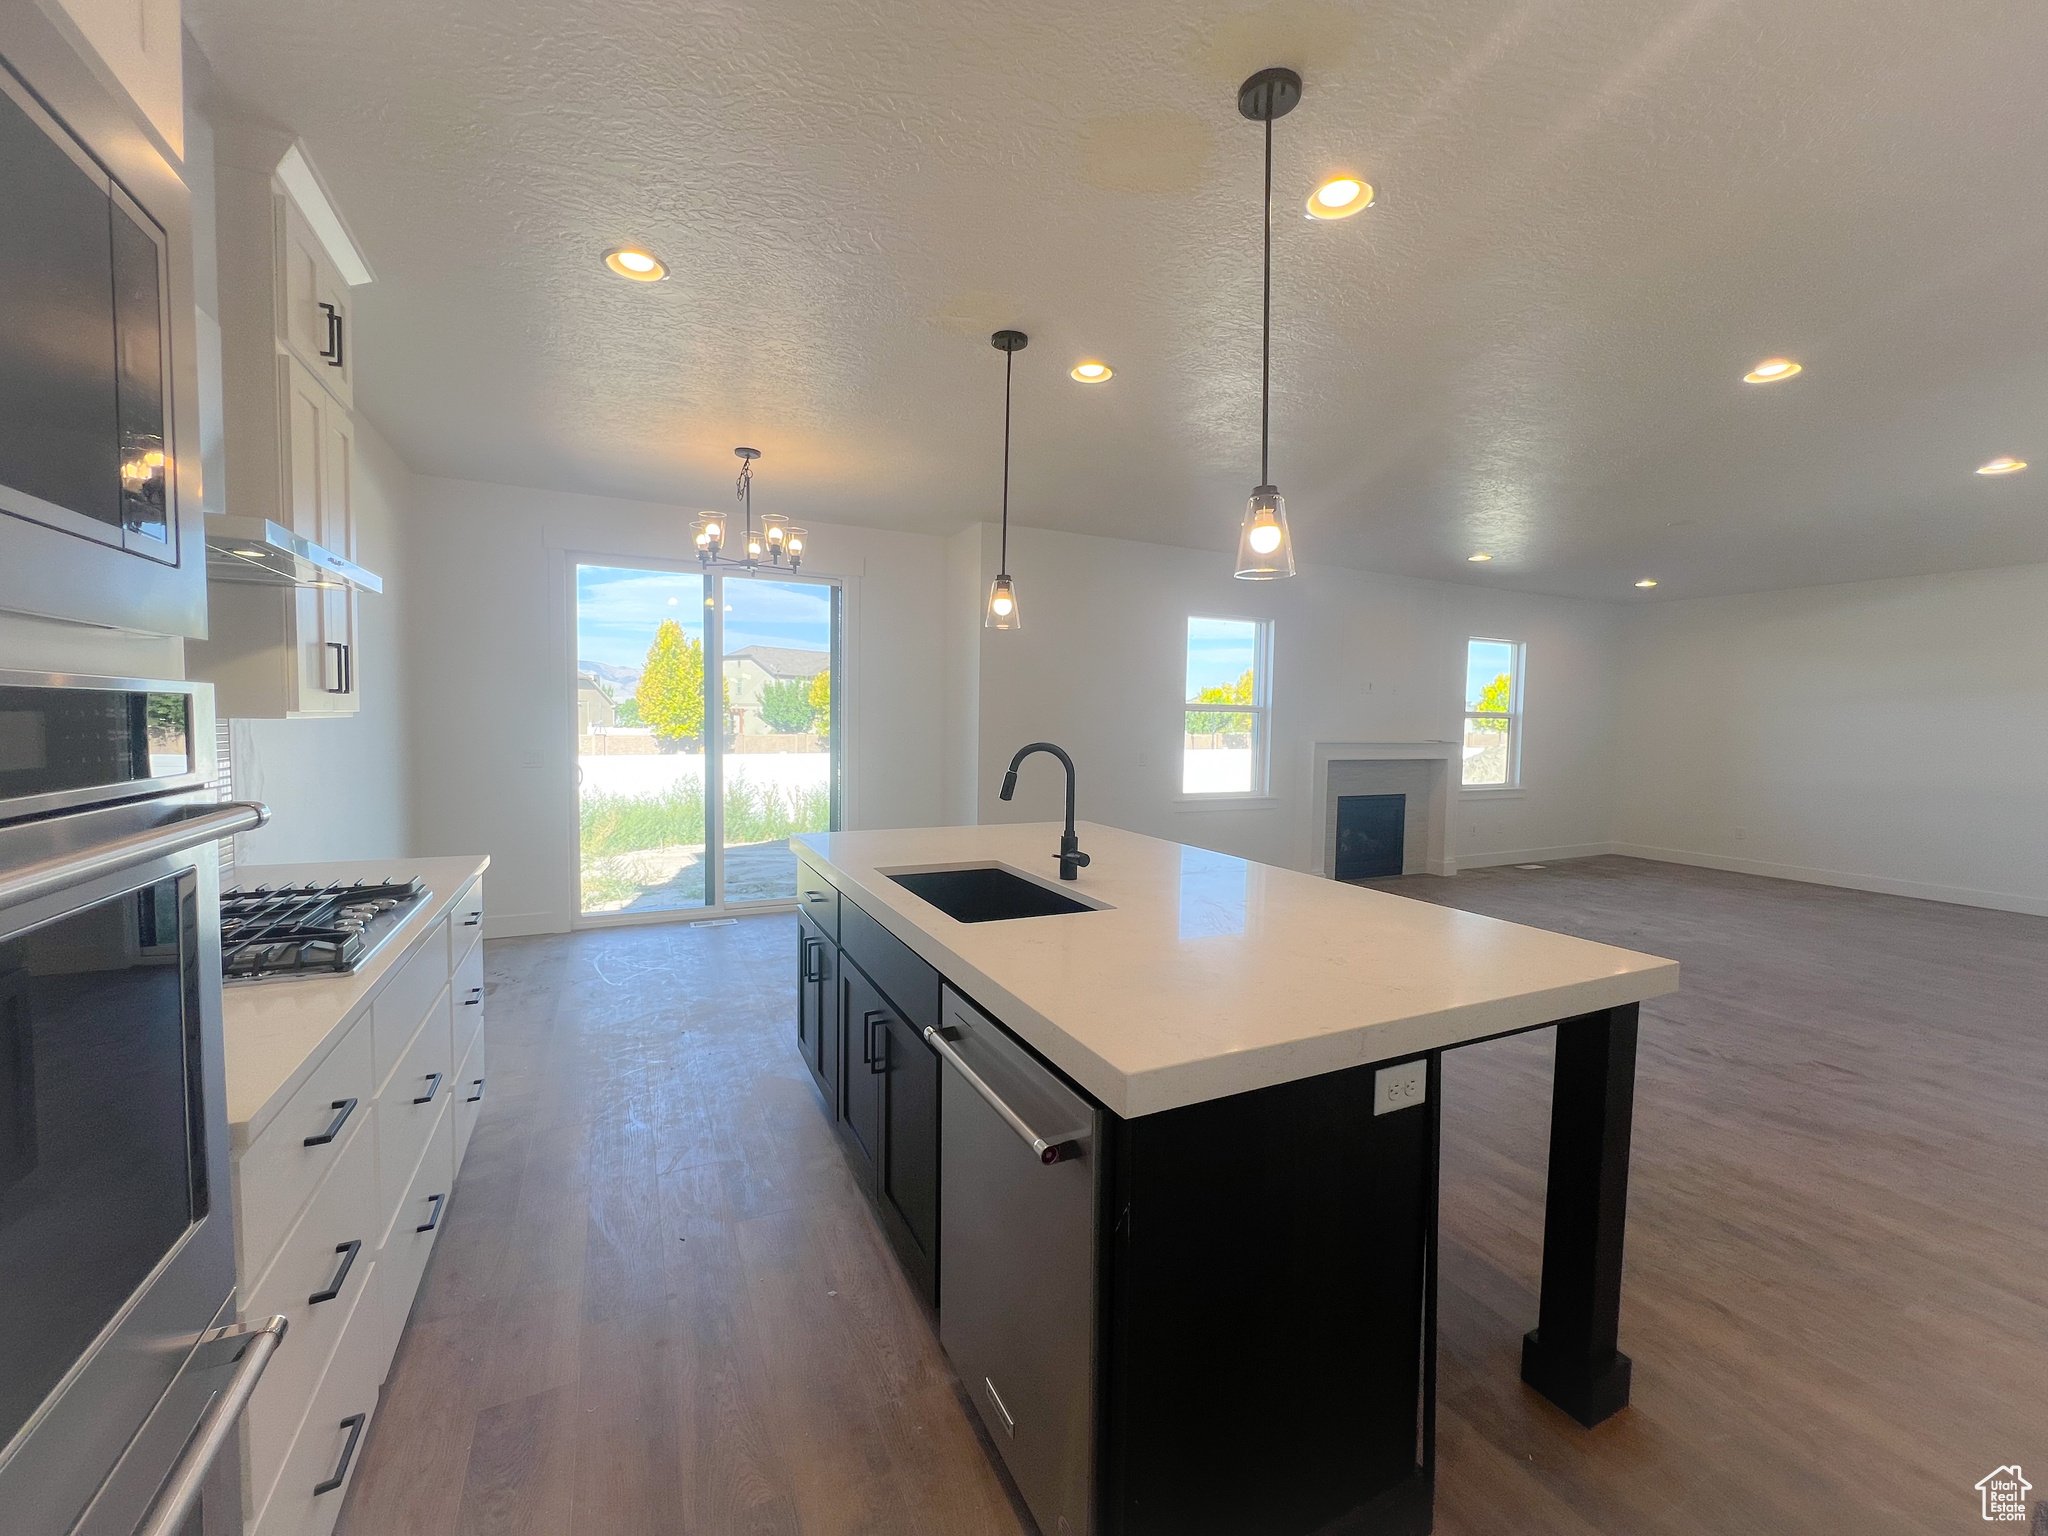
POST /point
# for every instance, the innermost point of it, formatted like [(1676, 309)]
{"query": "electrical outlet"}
[(1400, 1087)]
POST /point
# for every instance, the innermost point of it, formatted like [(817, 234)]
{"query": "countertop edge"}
[(1134, 1096), (401, 947)]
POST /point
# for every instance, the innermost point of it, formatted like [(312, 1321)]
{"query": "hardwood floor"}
[(661, 1306)]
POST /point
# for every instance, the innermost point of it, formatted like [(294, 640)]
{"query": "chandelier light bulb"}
[(1002, 605), (1264, 550)]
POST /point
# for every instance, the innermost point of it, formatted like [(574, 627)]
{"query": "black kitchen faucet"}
[(1072, 859)]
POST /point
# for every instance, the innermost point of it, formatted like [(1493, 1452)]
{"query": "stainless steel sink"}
[(987, 893)]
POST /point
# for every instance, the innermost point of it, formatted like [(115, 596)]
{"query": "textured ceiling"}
[(1595, 215)]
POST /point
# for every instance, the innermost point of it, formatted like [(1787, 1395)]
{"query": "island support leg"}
[(1571, 1355)]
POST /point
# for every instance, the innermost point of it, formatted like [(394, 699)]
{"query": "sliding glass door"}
[(691, 778)]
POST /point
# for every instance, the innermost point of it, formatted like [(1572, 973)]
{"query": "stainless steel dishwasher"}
[(1017, 1262)]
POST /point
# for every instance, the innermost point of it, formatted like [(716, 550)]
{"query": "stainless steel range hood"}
[(257, 552)]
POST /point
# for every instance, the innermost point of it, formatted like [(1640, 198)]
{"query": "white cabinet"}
[(339, 1202), (291, 652), (312, 302), (287, 364)]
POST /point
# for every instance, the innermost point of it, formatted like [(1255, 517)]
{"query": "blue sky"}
[(1484, 661), (618, 609), (1219, 650)]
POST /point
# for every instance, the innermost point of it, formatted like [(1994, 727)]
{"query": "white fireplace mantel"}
[(1448, 756)]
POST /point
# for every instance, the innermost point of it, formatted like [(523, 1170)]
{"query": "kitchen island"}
[(1163, 1163)]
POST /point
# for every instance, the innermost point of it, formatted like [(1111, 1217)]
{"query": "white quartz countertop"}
[(278, 1031), (1211, 975)]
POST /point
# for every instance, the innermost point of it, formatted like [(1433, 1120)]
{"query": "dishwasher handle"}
[(1049, 1152)]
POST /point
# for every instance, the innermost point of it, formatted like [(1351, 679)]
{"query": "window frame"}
[(1518, 667), (1260, 709)]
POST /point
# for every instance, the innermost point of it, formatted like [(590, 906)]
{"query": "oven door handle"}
[(29, 881), (181, 1489)]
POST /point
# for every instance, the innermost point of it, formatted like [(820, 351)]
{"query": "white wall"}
[(338, 789), (491, 717), (1888, 736), (1100, 667)]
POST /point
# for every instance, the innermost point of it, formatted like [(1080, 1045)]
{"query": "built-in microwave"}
[(100, 507)]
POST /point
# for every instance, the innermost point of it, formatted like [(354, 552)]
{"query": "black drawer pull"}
[(434, 1220), (817, 895), (347, 1108), (354, 1425), (348, 1250), (877, 1056), (475, 998), (433, 1087), (474, 920), (474, 1097), (814, 950)]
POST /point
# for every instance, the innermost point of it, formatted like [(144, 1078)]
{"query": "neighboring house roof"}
[(781, 661)]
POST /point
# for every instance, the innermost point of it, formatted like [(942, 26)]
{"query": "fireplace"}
[(1369, 836), (1421, 776)]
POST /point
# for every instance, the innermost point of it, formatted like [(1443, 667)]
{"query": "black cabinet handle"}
[(875, 1042), (354, 1425), (867, 1036), (347, 1108), (475, 998), (474, 1097), (434, 1220), (332, 351), (813, 949), (348, 656), (340, 666), (474, 920), (348, 1251), (433, 1087), (818, 896)]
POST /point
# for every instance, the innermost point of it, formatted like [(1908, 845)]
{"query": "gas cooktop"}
[(274, 932)]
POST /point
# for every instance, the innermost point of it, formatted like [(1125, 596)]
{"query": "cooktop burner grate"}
[(295, 930)]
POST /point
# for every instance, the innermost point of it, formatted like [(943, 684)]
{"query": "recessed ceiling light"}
[(1091, 373), (631, 261), (1647, 582), (1339, 198), (2004, 464), (1479, 559), (1771, 370)]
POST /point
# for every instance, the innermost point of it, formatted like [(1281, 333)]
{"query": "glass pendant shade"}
[(1002, 606), (709, 532), (1265, 550)]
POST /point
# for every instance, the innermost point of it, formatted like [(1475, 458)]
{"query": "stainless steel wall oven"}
[(119, 1370)]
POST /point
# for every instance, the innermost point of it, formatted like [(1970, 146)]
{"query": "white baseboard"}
[(1920, 890), (1534, 855), (521, 925)]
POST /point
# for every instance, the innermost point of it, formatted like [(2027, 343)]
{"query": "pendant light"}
[(1002, 593), (1265, 551)]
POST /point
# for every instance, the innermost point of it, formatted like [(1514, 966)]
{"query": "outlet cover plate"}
[(1400, 1087)]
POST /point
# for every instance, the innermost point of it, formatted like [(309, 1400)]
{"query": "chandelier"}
[(775, 543)]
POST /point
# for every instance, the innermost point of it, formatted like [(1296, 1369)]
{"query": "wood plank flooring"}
[(661, 1306)]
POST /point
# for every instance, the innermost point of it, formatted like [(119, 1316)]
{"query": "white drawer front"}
[(466, 924), (469, 1096), (468, 988), (348, 1389), (410, 1104), (406, 1247), (339, 1228), (404, 1000), (277, 1172)]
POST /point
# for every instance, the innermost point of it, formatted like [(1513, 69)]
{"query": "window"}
[(1228, 702), (1493, 714)]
